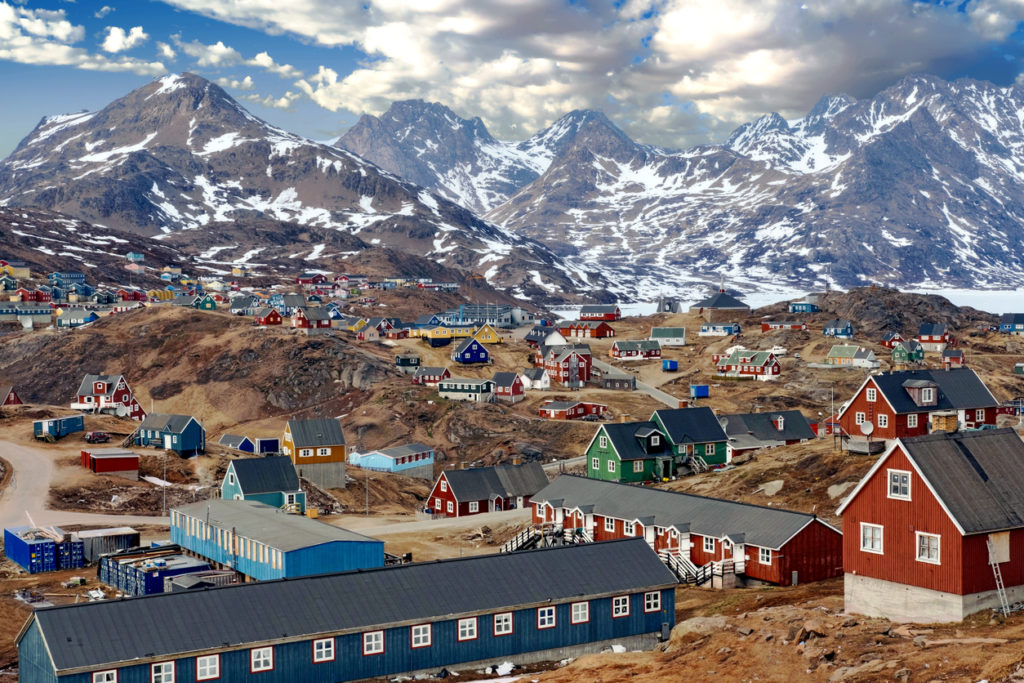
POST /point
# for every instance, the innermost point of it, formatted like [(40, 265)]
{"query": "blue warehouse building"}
[(264, 543), (548, 604)]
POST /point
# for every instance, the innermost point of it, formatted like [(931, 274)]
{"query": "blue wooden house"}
[(470, 351), (802, 307), (66, 279), (179, 433), (552, 604), (412, 460), (76, 317), (270, 480), (263, 542), (428, 321), (238, 443), (1012, 323), (838, 328)]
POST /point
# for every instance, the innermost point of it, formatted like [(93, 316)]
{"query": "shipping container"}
[(699, 391), (143, 572), (264, 446), (669, 365), (33, 549), (99, 542), (57, 427)]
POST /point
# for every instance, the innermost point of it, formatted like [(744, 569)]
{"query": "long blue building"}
[(531, 606), (264, 543)]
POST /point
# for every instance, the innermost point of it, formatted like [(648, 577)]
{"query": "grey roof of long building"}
[(958, 389), (762, 425), (318, 431), (483, 483), (408, 449), (264, 475), (691, 425), (598, 308), (166, 423), (978, 476), (276, 528), (109, 632), (765, 527)]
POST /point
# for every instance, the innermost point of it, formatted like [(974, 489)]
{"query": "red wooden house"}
[(903, 403), (767, 326), (891, 339), (485, 489), (570, 410), (8, 397), (953, 358), (928, 526), (934, 336), (310, 279), (430, 376), (760, 365), (311, 319), (609, 312), (508, 387), (739, 541), (568, 365), (108, 394), (636, 350), (398, 333), (582, 329), (268, 316)]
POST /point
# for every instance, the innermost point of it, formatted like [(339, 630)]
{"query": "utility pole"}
[(367, 493), (164, 487)]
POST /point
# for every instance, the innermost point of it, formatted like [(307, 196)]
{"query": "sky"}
[(673, 73)]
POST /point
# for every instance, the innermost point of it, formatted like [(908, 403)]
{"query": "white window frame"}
[(467, 629), (655, 439), (373, 643), (764, 555), (918, 535), (437, 503), (628, 528), (231, 479), (611, 465), (161, 676), (421, 635), (323, 451), (871, 395), (444, 486), (595, 464), (883, 420), (546, 617), (609, 524), (451, 507), (105, 676), (579, 613), (305, 452), (912, 420), (261, 657), (927, 395), (869, 547), (709, 449), (323, 650), (979, 414), (620, 606), (503, 624), (602, 441), (208, 668), (859, 418), (652, 602), (638, 466), (474, 506), (709, 541), (889, 489)]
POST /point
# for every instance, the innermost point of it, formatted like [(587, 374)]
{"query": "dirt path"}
[(29, 488)]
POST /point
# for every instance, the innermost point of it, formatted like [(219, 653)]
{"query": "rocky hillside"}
[(180, 155)]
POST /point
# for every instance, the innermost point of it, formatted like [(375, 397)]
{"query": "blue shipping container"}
[(32, 551), (699, 391), (58, 426), (669, 365)]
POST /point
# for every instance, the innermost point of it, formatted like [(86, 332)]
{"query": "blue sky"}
[(670, 72)]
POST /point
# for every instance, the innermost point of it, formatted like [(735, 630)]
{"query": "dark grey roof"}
[(483, 483), (170, 624), (598, 308), (766, 527), (720, 300), (408, 449), (315, 313), (534, 374), (762, 427), (466, 343), (838, 323), (979, 476), (559, 405), (265, 311), (320, 431), (166, 423), (537, 333), (891, 335), (233, 440), (276, 528), (952, 353), (431, 370), (426, 318), (931, 330), (959, 389), (691, 425), (504, 379), (265, 475), (85, 388), (1012, 319), (625, 438)]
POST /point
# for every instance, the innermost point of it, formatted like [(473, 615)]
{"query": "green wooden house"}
[(629, 452), (694, 432), (907, 352), (205, 303)]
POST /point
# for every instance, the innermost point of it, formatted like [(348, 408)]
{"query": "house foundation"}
[(902, 603)]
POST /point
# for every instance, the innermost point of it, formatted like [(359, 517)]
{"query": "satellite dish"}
[(866, 428)]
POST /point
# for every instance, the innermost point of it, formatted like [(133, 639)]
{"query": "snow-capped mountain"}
[(179, 154)]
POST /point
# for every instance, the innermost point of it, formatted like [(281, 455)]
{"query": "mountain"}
[(180, 155), (919, 186)]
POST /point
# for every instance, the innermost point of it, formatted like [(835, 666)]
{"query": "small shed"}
[(54, 428), (117, 462), (237, 443)]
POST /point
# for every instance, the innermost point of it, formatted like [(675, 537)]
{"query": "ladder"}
[(1004, 605)]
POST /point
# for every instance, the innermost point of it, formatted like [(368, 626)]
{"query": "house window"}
[(979, 414), (620, 606), (764, 555), (709, 449), (871, 395), (467, 629), (638, 465), (437, 503), (899, 484), (503, 624), (162, 672), (207, 668), (628, 528), (373, 642), (421, 635), (231, 479), (261, 659), (104, 677), (595, 464), (323, 451), (451, 507), (927, 395), (652, 601), (474, 506), (858, 418), (883, 420), (323, 650), (928, 548), (655, 440), (709, 544), (305, 452), (602, 441), (580, 613), (609, 524), (444, 486), (611, 465), (871, 538), (912, 420), (545, 617)]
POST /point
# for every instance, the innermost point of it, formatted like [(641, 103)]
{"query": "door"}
[(167, 441)]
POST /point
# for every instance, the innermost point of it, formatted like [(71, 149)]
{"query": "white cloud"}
[(44, 37), (217, 54), (119, 41), (103, 11), (674, 72), (235, 84), (264, 60), (286, 101), (166, 51)]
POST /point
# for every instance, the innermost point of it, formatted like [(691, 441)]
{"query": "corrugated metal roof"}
[(721, 300), (691, 425), (504, 379), (625, 438), (319, 431), (408, 449), (931, 330), (264, 475), (484, 483), (85, 388), (108, 632), (763, 526), (276, 528), (762, 426), (979, 476), (166, 423), (959, 389), (598, 308)]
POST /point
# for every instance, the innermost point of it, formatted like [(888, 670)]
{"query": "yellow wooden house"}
[(485, 334)]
